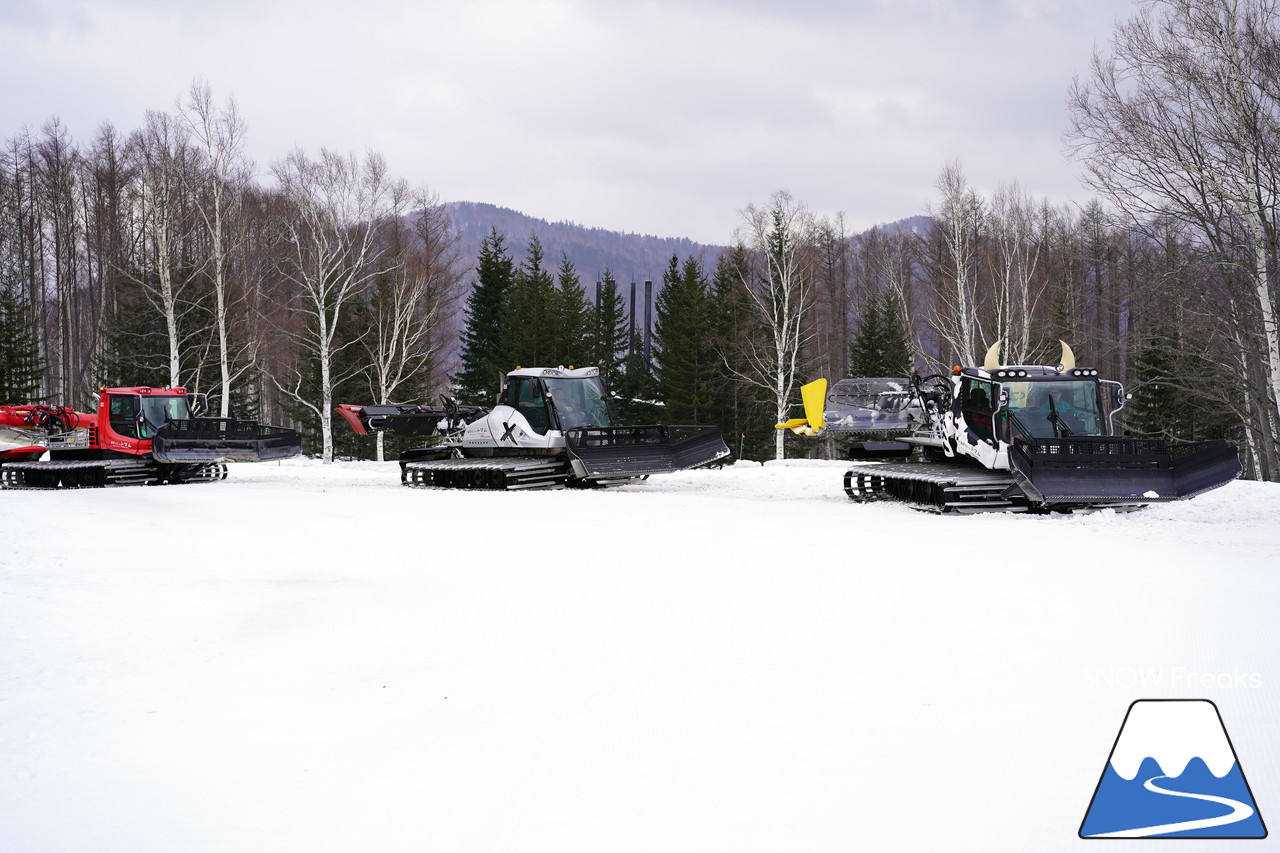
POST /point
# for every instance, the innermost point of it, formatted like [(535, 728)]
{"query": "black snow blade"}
[(641, 450), (223, 440), (1119, 471)]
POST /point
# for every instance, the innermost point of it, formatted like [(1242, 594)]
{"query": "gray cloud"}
[(659, 117)]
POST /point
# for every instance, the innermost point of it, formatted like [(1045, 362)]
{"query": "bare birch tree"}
[(55, 171), (1011, 223), (1181, 119), (959, 218), (163, 159), (780, 292), (410, 302), (891, 260), (221, 135), (834, 297), (336, 205)]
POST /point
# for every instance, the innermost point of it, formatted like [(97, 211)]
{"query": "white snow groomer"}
[(552, 427), (1011, 438)]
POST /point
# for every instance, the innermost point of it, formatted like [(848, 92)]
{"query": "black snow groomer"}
[(552, 427), (1020, 438)]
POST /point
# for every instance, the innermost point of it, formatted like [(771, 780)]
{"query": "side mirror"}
[(199, 405)]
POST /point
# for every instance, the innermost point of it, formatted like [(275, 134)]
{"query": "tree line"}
[(155, 254), (154, 257)]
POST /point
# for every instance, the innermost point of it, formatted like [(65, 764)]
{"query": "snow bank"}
[(313, 658)]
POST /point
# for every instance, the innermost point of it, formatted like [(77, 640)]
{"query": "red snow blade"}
[(351, 414), (30, 453)]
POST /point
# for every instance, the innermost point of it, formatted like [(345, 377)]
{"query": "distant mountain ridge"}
[(631, 257)]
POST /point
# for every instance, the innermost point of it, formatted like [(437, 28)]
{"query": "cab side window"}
[(123, 415), (524, 394), (977, 406)]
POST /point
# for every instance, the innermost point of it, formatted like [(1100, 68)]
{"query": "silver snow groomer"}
[(552, 427)]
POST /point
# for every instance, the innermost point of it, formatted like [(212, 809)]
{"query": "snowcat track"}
[(934, 487), (486, 474), (101, 473)]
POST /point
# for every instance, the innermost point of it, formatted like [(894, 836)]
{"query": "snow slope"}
[(313, 658)]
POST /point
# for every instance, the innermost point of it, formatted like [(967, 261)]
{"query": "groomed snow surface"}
[(313, 658)]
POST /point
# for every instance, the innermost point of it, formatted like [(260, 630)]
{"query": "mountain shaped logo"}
[(1172, 773)]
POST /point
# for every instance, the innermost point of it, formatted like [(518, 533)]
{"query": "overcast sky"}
[(664, 117)]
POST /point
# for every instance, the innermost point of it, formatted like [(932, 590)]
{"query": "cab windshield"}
[(579, 402), (160, 410), (1054, 409)]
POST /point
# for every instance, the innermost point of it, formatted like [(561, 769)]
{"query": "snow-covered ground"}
[(312, 658)]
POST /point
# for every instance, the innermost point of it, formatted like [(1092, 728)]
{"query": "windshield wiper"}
[(1056, 421)]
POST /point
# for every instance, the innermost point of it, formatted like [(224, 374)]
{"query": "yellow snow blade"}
[(815, 400), (814, 396), (800, 426)]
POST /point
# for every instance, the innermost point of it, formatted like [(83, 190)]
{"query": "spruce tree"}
[(20, 364), (529, 318), (485, 351), (572, 340), (133, 347), (880, 346), (683, 343), (740, 409), (608, 330)]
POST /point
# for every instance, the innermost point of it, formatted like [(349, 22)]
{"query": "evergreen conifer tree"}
[(608, 331), (572, 340), (20, 364), (880, 346), (485, 351), (133, 348), (740, 409), (1163, 406), (683, 340), (530, 316)]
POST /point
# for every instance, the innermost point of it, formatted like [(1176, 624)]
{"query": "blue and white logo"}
[(1173, 773)]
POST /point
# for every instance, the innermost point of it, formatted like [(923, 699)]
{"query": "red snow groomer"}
[(139, 436)]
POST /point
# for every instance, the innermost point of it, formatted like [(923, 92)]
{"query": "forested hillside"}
[(630, 257)]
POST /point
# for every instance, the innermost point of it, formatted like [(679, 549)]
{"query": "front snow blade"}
[(642, 450), (29, 453), (223, 440), (1119, 471)]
